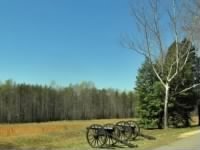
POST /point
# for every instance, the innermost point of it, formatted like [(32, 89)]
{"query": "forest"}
[(37, 103)]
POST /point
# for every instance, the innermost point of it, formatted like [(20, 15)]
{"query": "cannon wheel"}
[(115, 132), (95, 135), (125, 130), (135, 129)]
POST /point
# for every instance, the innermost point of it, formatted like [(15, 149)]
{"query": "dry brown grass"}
[(29, 129), (70, 134), (7, 130), (61, 134)]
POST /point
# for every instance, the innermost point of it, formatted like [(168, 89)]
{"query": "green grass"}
[(71, 134), (163, 137)]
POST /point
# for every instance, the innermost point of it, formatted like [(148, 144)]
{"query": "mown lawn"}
[(71, 134)]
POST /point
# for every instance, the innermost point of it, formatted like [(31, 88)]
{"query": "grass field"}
[(71, 134)]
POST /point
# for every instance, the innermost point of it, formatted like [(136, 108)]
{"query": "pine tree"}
[(150, 93)]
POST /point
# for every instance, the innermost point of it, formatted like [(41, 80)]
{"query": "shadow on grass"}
[(115, 147), (184, 127), (173, 127), (5, 146), (192, 126)]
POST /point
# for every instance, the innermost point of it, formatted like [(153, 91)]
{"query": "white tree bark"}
[(166, 105)]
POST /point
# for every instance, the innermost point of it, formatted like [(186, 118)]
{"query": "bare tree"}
[(153, 45)]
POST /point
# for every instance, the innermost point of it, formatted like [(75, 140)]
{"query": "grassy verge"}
[(163, 137), (71, 134)]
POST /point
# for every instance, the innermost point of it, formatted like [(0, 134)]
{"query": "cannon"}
[(130, 130), (99, 136)]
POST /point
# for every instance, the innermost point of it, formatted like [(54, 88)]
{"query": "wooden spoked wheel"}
[(125, 130), (112, 132), (96, 136), (135, 129)]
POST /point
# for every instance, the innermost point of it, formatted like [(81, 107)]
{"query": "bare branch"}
[(186, 59), (158, 76), (174, 23), (130, 44), (189, 88), (170, 71), (156, 30)]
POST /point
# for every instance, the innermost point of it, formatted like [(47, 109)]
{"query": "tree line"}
[(36, 103)]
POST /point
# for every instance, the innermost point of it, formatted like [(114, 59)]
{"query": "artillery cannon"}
[(132, 130), (129, 129), (99, 136), (107, 135)]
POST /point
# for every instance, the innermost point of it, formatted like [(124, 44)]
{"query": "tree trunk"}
[(166, 106), (199, 113)]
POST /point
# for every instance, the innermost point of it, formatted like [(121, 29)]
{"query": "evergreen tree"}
[(182, 104), (150, 93)]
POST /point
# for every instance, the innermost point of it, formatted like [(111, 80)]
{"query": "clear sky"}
[(67, 41)]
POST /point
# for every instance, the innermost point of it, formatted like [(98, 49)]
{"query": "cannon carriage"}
[(123, 132), (110, 134)]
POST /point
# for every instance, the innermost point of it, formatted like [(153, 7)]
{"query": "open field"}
[(71, 134)]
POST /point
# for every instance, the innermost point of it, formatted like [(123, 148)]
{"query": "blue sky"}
[(67, 41)]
